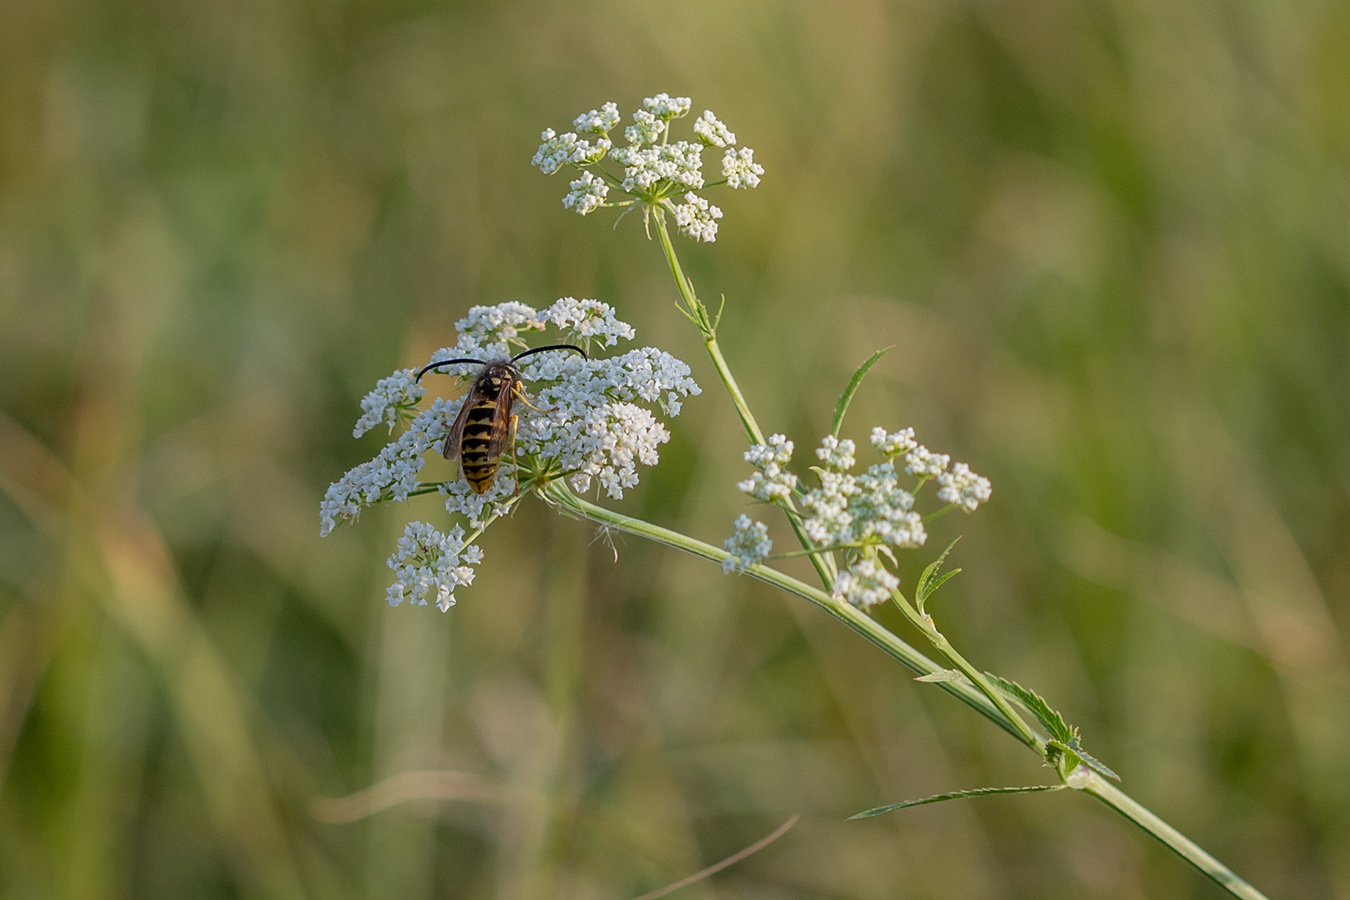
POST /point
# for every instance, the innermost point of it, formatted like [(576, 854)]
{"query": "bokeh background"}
[(1109, 240)]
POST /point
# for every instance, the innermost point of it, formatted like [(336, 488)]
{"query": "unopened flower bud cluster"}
[(748, 545), (594, 422), (655, 170), (864, 515)]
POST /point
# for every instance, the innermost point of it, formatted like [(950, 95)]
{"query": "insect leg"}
[(515, 466)]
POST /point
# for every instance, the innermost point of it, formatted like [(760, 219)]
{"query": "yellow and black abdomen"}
[(480, 447)]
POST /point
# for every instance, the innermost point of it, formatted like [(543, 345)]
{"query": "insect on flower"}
[(485, 422)]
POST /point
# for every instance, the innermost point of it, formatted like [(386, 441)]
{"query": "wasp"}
[(485, 423)]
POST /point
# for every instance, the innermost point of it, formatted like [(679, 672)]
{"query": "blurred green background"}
[(1110, 240)]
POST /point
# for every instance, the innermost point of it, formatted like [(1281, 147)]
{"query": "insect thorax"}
[(493, 378)]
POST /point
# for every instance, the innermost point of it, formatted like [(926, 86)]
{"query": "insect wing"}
[(452, 440), (501, 419)]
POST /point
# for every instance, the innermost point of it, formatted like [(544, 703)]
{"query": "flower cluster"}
[(589, 420), (748, 545), (656, 172), (865, 583), (392, 401), (865, 516), (772, 483), (862, 510), (431, 564), (963, 487)]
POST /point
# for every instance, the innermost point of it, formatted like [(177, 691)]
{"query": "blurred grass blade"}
[(729, 861)]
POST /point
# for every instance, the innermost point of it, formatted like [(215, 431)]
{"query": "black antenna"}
[(521, 355), (447, 362), (524, 353)]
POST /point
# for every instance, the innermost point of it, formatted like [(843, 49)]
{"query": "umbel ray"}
[(485, 422)]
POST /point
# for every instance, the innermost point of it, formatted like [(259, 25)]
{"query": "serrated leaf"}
[(957, 795), (1049, 718), (943, 676), (1097, 766), (927, 586), (847, 397)]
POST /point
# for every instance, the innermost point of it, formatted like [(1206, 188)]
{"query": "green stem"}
[(1178, 843), (996, 697), (983, 702), (697, 313)]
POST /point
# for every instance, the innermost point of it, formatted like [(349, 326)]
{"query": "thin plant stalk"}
[(558, 494), (975, 690)]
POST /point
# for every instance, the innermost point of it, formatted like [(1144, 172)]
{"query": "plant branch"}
[(558, 494)]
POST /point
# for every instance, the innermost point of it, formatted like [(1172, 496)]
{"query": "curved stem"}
[(558, 494)]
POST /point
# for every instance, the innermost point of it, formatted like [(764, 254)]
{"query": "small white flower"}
[(392, 398), (664, 106), (588, 193), (772, 483), (555, 150), (963, 487), (835, 454), (598, 121), (648, 171), (697, 218), (740, 169), (871, 508), (392, 475), (430, 565), (748, 545), (925, 463), (645, 130), (588, 319), (865, 583), (892, 445), (584, 153), (712, 131)]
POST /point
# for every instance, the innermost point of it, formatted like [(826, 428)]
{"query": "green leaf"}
[(943, 676), (1091, 763), (927, 586), (958, 795), (1049, 718), (847, 397)]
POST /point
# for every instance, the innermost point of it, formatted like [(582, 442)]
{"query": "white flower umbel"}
[(598, 121), (748, 545), (588, 193), (391, 402), (712, 132), (555, 150), (646, 130), (925, 463), (664, 106), (430, 565), (740, 169), (836, 455), (772, 483), (391, 475), (892, 445), (865, 583), (653, 171), (963, 487), (589, 420), (697, 218), (585, 153)]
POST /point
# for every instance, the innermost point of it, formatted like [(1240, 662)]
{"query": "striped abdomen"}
[(480, 446)]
